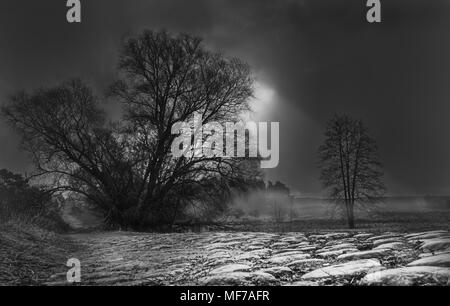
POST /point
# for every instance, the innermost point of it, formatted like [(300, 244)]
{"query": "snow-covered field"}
[(257, 258)]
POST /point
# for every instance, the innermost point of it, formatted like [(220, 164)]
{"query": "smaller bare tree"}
[(350, 166)]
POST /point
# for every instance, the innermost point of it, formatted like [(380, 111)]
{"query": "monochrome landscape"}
[(225, 143)]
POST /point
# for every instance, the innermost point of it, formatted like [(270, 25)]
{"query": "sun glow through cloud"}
[(262, 103)]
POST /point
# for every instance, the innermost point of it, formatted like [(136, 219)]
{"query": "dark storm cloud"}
[(320, 57)]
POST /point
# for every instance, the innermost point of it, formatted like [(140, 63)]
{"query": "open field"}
[(261, 258), (313, 214), (377, 222), (306, 251)]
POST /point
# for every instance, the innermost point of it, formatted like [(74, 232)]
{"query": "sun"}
[(262, 102)]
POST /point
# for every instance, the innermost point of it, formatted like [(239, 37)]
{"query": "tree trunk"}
[(350, 217)]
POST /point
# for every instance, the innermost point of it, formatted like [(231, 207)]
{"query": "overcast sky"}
[(312, 58)]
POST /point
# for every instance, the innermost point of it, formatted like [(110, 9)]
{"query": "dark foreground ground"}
[(414, 251), (29, 254)]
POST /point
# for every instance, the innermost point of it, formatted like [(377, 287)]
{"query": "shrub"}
[(21, 202)]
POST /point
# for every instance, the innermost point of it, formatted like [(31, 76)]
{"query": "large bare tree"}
[(126, 167), (350, 166)]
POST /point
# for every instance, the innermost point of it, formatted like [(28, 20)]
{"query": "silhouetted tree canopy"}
[(126, 168), (278, 187), (351, 170)]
